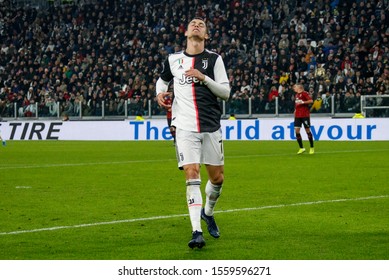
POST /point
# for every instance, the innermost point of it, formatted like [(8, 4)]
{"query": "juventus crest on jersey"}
[(195, 107)]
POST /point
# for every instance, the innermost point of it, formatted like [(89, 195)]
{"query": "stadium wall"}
[(369, 129)]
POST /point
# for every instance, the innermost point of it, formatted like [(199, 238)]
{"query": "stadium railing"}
[(369, 105), (375, 105)]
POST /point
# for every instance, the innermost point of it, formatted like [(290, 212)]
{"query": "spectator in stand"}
[(273, 94), (317, 104)]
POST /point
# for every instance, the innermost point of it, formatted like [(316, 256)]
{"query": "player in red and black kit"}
[(302, 117), (168, 102)]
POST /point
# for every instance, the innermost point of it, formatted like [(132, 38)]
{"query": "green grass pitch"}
[(126, 201)]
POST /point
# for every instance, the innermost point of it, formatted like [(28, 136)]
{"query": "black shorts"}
[(298, 122)]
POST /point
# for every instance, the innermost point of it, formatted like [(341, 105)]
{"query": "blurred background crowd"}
[(103, 57)]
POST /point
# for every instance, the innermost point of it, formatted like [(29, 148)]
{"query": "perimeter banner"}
[(157, 129)]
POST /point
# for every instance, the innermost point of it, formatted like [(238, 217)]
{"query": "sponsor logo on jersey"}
[(189, 80)]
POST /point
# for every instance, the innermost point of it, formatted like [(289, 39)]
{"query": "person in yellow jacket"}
[(284, 77), (232, 117), (316, 106), (139, 117), (358, 115)]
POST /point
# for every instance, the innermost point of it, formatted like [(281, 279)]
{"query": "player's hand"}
[(161, 99), (195, 73)]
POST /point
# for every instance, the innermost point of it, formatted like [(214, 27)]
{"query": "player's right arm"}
[(162, 84), (161, 89)]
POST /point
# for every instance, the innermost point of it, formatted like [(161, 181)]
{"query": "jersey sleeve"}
[(220, 86), (165, 77), (166, 73), (306, 96)]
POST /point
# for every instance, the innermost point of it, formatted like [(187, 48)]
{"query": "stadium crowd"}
[(83, 53)]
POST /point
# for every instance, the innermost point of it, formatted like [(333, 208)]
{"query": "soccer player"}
[(302, 117), (200, 78)]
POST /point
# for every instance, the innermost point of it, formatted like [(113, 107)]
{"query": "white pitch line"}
[(83, 164), (173, 159), (185, 215), (305, 203), (320, 152)]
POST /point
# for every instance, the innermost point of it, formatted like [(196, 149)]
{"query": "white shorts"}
[(201, 148)]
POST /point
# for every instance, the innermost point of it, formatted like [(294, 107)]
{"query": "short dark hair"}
[(200, 18)]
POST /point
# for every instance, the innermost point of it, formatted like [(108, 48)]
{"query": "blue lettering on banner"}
[(279, 133), (316, 134), (152, 132), (251, 132), (253, 128), (149, 130), (335, 135), (334, 132), (136, 128), (166, 133)]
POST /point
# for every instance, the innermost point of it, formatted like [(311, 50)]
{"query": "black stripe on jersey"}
[(209, 111)]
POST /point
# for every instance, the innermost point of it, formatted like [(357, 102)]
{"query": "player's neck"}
[(194, 47)]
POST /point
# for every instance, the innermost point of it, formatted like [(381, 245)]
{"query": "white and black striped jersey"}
[(195, 106)]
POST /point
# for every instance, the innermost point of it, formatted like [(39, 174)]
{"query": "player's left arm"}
[(220, 86), (307, 99)]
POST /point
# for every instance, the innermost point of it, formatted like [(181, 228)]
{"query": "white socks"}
[(212, 192), (195, 202)]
